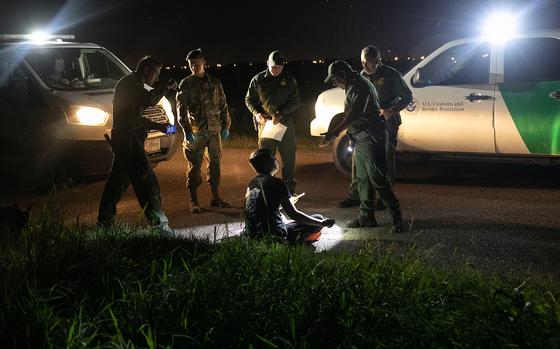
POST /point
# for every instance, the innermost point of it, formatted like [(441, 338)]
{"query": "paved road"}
[(495, 218)]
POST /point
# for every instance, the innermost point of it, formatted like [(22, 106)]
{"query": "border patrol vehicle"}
[(56, 102), (483, 99)]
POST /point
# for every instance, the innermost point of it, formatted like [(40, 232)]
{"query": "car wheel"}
[(342, 156)]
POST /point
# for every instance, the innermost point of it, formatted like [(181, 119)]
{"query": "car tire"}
[(342, 157)]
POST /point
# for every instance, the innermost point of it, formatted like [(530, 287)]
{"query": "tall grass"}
[(128, 287)]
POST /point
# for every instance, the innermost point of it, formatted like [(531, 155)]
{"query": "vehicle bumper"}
[(92, 158), (317, 127)]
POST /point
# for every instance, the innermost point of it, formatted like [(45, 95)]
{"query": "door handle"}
[(477, 97), (555, 95)]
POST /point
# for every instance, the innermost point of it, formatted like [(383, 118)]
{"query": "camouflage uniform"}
[(389, 85), (270, 94), (130, 163), (202, 109)]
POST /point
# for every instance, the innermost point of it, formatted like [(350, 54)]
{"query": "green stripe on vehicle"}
[(535, 114)]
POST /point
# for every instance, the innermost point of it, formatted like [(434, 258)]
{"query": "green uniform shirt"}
[(130, 101), (202, 105), (361, 107), (270, 94), (389, 84)]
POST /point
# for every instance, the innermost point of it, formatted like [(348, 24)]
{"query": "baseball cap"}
[(276, 58), (336, 68)]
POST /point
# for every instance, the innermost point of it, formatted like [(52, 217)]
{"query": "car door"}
[(528, 98), (453, 102)]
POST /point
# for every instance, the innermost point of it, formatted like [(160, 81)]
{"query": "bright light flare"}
[(499, 27), (166, 105), (87, 116), (38, 36)]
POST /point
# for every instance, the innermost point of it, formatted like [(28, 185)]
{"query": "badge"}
[(380, 81), (283, 82)]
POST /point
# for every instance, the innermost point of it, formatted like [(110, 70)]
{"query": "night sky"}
[(230, 32)]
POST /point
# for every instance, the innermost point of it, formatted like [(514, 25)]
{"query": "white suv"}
[(474, 99)]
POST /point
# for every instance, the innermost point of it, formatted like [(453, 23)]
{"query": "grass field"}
[(129, 287)]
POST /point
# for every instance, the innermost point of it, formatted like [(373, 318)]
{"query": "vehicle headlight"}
[(164, 102), (87, 116), (320, 110)]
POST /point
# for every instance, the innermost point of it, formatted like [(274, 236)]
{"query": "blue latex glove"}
[(224, 134), (190, 137)]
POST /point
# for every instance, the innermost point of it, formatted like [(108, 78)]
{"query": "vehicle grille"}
[(155, 114)]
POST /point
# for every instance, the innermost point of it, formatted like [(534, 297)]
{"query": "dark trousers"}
[(298, 232), (390, 150), (131, 165), (371, 173)]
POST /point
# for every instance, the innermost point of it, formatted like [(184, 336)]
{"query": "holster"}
[(363, 136)]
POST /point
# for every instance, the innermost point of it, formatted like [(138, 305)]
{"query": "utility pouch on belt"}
[(363, 136)]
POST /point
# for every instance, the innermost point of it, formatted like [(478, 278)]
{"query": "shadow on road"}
[(459, 173)]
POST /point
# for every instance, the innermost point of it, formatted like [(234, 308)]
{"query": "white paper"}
[(273, 131)]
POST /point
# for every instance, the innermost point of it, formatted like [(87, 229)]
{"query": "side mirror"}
[(417, 79)]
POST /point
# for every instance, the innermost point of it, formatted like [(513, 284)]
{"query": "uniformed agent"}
[(130, 129), (204, 116), (274, 95), (366, 127), (394, 96)]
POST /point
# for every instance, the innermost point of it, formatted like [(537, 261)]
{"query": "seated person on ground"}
[(265, 194)]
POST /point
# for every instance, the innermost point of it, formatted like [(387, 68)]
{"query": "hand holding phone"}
[(171, 129)]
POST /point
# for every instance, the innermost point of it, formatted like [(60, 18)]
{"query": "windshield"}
[(76, 68)]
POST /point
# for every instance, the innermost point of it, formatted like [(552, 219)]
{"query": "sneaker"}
[(195, 208), (313, 237), (361, 222), (348, 203), (220, 203)]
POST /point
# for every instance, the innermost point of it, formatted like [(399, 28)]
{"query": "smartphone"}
[(171, 129)]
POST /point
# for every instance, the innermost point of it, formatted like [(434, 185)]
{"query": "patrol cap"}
[(276, 58), (337, 68)]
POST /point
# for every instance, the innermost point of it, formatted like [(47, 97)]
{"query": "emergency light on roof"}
[(499, 27), (37, 37)]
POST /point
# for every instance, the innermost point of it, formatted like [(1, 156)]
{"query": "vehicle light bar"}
[(32, 37)]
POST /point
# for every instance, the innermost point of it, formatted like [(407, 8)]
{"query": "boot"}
[(362, 222), (195, 207), (398, 225), (216, 201)]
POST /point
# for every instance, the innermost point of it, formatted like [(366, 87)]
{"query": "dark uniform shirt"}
[(389, 84), (130, 101), (262, 206), (202, 105), (361, 107), (270, 94)]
